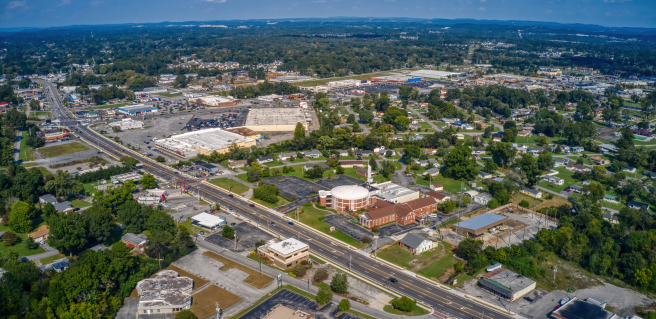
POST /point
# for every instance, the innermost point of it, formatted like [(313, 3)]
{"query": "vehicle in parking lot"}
[(233, 224)]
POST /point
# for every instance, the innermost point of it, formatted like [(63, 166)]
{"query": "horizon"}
[(22, 14)]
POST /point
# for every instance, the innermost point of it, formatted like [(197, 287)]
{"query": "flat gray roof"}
[(481, 221), (510, 280)]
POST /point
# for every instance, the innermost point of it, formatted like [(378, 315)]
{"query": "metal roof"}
[(413, 240), (481, 221)]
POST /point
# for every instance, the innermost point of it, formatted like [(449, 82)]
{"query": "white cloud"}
[(96, 3), (483, 1), (64, 3), (16, 4), (482, 9), (548, 11)]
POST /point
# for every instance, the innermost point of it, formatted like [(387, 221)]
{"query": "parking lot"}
[(247, 236), (338, 180), (344, 225), (293, 187), (296, 302)]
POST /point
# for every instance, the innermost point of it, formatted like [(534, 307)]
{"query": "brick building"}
[(402, 213)]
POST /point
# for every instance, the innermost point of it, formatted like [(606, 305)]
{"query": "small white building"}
[(416, 244), (127, 124), (208, 221)]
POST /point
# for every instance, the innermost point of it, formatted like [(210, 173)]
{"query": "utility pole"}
[(235, 240), (350, 262), (375, 244), (554, 278)]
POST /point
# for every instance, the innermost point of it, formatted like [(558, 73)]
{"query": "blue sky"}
[(45, 13)]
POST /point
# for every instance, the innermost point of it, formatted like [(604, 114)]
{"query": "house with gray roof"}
[(58, 265), (416, 244), (313, 154), (134, 241)]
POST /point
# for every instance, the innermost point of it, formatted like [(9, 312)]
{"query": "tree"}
[(20, 217), (299, 131), (404, 304), (320, 275), (469, 248), (324, 295), (129, 161), (180, 81), (373, 164), (402, 123), (599, 172), (34, 105), (545, 161), (299, 271), (460, 164), (366, 116), (411, 151), (148, 181), (10, 238), (228, 232), (63, 184), (488, 132), (129, 185), (595, 191), (344, 305), (524, 203), (339, 284), (160, 159), (185, 314), (490, 166), (509, 135), (530, 169), (68, 232), (503, 154), (350, 119), (459, 266), (100, 221), (315, 172), (253, 175)]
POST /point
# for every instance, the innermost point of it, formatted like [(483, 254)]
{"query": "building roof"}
[(208, 139), (135, 239), (576, 308), (63, 206), (486, 196), (389, 190), (481, 221), (288, 246), (167, 288), (437, 195), (350, 192), (530, 190), (43, 230), (48, 198), (636, 204), (137, 108), (413, 240), (99, 247), (508, 279), (57, 264), (438, 186), (275, 116), (208, 220)]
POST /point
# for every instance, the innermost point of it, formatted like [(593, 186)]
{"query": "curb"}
[(484, 303)]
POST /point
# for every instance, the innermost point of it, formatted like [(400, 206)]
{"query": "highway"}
[(441, 300)]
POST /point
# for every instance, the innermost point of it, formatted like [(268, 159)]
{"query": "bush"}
[(459, 266), (185, 314), (324, 295), (376, 229), (524, 203), (228, 232), (304, 262), (10, 238), (366, 239), (267, 193), (404, 304), (320, 275), (31, 244), (4, 220), (300, 270), (339, 284), (344, 305)]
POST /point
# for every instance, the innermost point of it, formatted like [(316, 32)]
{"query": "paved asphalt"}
[(439, 299)]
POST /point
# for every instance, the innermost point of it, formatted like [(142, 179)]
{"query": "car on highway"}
[(291, 223), (393, 280), (273, 224), (252, 205)]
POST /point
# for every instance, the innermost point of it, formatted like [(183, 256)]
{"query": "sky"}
[(48, 13)]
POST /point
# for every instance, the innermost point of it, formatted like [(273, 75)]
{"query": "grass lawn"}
[(105, 106), (167, 94), (556, 201), (88, 187), (43, 170), (57, 150), (28, 165), (343, 111), (26, 152), (351, 172), (41, 114), (430, 264), (565, 175), (281, 201), (255, 279), (450, 185), (532, 202), (20, 248), (76, 203), (229, 184), (194, 230), (418, 311), (313, 217), (586, 160), (425, 127), (51, 259)]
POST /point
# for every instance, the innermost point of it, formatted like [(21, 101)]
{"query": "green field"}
[(425, 127), (57, 150), (564, 174), (106, 106), (51, 259), (418, 311), (41, 114), (167, 94), (26, 152), (76, 203), (313, 217), (21, 247), (281, 201), (228, 184), (450, 185), (343, 110)]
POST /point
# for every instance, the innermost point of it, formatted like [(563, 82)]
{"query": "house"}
[(440, 197), (47, 198), (531, 192), (611, 199), (134, 241), (630, 170), (41, 234), (585, 183), (437, 187), (234, 164), (363, 153), (352, 164), (611, 218), (637, 205), (497, 137), (342, 153), (478, 151), (650, 174), (607, 148), (287, 156), (416, 244), (460, 136), (576, 149), (265, 159), (598, 160), (560, 162), (471, 194), (430, 151), (483, 198), (554, 180), (422, 163), (310, 166), (484, 174), (535, 150), (58, 265), (577, 168), (313, 154), (575, 188), (433, 172)]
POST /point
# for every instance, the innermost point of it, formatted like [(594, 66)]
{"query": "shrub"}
[(376, 229), (300, 270), (10, 238), (185, 314), (324, 295), (31, 244), (304, 262), (4, 220), (366, 239), (320, 275), (524, 203), (228, 232), (344, 305), (267, 193), (339, 284), (404, 304)]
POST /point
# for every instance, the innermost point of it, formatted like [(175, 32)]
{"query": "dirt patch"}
[(93, 160), (204, 302), (555, 201), (254, 279), (532, 202)]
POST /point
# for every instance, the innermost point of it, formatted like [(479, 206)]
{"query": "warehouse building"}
[(507, 284), (393, 193), (395, 78), (127, 124), (246, 132), (276, 119), (480, 224), (203, 142), (122, 178), (208, 221), (433, 74), (137, 109), (218, 101)]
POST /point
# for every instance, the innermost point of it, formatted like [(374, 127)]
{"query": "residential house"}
[(521, 149), (585, 183), (422, 163), (558, 162), (342, 153), (134, 241), (630, 170), (577, 149), (433, 172), (363, 153), (313, 154), (265, 159), (41, 234), (234, 164), (483, 198), (575, 188), (535, 150), (60, 207), (478, 151), (611, 199), (497, 137), (607, 148), (287, 156), (430, 151), (58, 265), (310, 166), (483, 125), (437, 187), (650, 174), (598, 160), (577, 168), (484, 174), (434, 162), (352, 164), (554, 180), (611, 218), (416, 244), (531, 192), (440, 197), (637, 205)]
